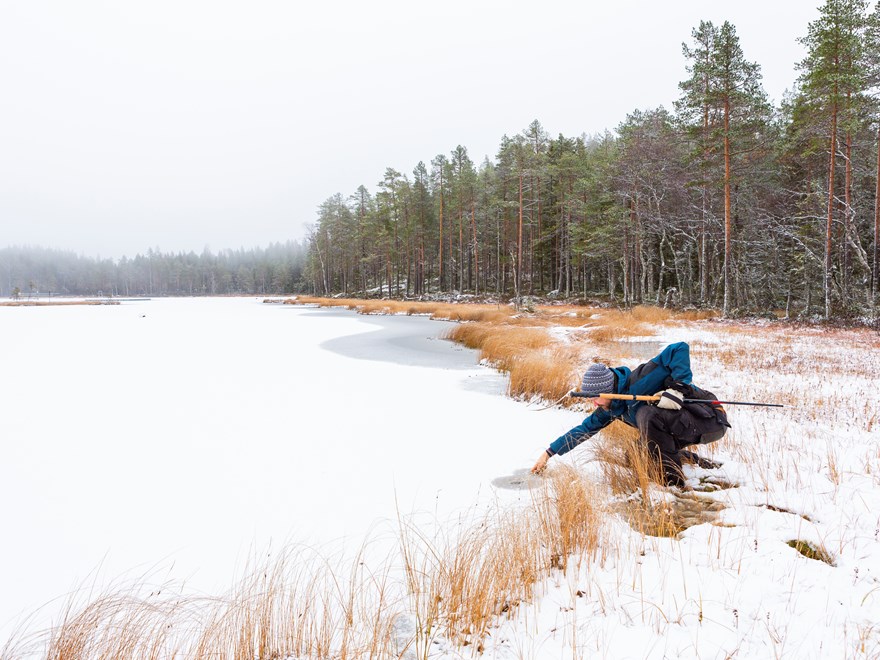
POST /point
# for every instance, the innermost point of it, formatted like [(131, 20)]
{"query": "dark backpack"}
[(700, 410)]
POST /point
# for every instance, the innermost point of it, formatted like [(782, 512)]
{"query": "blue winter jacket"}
[(646, 379)]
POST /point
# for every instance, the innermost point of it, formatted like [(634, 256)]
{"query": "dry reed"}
[(543, 375), (295, 605), (627, 467), (536, 365), (459, 587), (436, 310)]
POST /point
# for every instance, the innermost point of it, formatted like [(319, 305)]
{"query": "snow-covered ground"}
[(735, 586), (178, 436)]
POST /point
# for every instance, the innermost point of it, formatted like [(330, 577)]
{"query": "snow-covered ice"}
[(178, 436)]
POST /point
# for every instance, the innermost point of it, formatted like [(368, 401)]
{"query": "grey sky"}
[(182, 124)]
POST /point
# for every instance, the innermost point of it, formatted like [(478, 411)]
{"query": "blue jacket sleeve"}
[(586, 429), (676, 358)]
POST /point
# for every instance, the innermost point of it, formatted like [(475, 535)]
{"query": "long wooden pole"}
[(641, 397)]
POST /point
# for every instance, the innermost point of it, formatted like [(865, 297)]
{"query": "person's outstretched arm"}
[(568, 441)]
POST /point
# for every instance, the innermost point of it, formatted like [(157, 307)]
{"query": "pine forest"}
[(724, 202)]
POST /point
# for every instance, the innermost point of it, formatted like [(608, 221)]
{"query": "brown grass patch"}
[(436, 310), (547, 376), (470, 312), (505, 344), (537, 366), (697, 315), (613, 323), (669, 518), (617, 324), (471, 335), (499, 344)]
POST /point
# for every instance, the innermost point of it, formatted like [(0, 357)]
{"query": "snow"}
[(177, 436)]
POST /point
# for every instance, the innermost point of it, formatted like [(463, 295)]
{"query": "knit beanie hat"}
[(598, 379)]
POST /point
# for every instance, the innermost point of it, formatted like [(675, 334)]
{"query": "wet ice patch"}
[(519, 480)]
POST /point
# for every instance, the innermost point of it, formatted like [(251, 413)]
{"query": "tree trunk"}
[(725, 310), (847, 218), (704, 225), (460, 245), (476, 248), (832, 142), (876, 224), (499, 279), (540, 236), (519, 241), (440, 259)]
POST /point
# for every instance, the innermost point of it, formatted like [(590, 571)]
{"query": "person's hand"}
[(541, 463), (670, 399)]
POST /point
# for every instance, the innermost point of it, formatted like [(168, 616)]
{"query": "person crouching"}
[(666, 427)]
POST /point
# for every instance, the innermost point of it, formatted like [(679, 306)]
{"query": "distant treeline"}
[(275, 270), (726, 201)]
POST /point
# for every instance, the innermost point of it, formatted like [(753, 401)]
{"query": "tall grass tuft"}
[(627, 467), (573, 524), (460, 586), (537, 366), (544, 375), (298, 604), (506, 344)]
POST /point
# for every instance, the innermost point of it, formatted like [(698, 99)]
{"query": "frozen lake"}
[(179, 436)]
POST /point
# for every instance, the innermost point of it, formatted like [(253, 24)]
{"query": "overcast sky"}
[(183, 124)]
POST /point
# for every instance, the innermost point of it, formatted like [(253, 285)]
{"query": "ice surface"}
[(176, 436)]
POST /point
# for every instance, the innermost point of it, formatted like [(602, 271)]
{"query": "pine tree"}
[(831, 76), (725, 90), (538, 141), (695, 111), (424, 221), (439, 180), (461, 184)]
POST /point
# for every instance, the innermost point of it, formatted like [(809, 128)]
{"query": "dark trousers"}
[(667, 432)]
